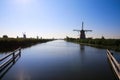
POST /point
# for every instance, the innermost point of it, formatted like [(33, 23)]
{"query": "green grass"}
[(9, 44), (112, 44)]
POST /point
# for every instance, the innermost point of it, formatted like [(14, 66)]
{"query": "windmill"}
[(24, 35), (82, 32)]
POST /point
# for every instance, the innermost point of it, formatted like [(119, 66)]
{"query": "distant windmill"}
[(24, 35), (82, 32)]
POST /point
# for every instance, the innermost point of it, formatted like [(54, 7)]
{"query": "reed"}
[(113, 44), (9, 44)]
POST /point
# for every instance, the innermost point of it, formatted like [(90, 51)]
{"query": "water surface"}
[(61, 60)]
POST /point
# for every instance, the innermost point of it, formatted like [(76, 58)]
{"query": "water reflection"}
[(8, 66), (5, 70), (82, 53), (82, 48)]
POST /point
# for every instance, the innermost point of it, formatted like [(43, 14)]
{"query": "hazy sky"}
[(58, 18)]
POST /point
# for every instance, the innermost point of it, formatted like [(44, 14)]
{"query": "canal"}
[(61, 60)]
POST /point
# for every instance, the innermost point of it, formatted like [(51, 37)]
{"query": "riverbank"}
[(9, 44), (111, 44)]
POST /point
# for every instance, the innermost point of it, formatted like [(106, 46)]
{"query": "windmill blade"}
[(76, 30), (88, 30)]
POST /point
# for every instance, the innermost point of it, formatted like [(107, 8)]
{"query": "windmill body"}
[(82, 32), (82, 35)]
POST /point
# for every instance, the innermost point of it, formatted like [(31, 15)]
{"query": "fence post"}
[(13, 57), (19, 51)]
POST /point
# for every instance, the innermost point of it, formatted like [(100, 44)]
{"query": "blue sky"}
[(58, 18)]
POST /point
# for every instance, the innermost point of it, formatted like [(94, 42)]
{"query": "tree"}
[(5, 36)]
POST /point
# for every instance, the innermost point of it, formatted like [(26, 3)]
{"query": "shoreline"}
[(10, 44), (111, 44)]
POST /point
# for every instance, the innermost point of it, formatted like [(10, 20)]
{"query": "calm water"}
[(61, 60)]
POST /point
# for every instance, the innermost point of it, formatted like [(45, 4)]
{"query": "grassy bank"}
[(112, 44), (9, 44)]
